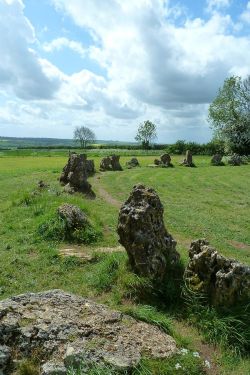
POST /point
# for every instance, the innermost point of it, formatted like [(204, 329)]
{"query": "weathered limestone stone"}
[(110, 163), (226, 282), (90, 167), (73, 216), (75, 173), (166, 160), (5, 355), (53, 368), (217, 160), (157, 162), (42, 185), (188, 161), (115, 162), (66, 329), (235, 160), (151, 249), (133, 163), (105, 164)]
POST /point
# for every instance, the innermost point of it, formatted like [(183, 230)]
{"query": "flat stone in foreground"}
[(68, 330)]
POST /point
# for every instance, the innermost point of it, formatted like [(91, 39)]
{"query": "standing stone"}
[(110, 163), (90, 167), (74, 175), (166, 160), (116, 166), (133, 163), (151, 249), (188, 161), (217, 160), (235, 160), (105, 164), (225, 281)]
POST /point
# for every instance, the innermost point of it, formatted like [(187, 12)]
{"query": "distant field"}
[(14, 142)]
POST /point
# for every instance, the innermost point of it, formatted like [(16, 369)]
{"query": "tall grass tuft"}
[(227, 327)]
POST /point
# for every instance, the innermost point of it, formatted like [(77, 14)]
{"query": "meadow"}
[(204, 202)]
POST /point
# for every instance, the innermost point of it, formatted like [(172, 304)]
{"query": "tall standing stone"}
[(75, 173), (151, 249), (188, 161)]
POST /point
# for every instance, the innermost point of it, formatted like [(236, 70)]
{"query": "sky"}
[(112, 64)]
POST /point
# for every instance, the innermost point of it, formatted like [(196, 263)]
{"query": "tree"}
[(229, 114), (83, 135), (146, 133)]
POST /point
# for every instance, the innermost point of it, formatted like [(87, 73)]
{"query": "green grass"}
[(206, 201)]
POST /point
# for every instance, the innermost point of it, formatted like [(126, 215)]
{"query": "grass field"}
[(207, 201)]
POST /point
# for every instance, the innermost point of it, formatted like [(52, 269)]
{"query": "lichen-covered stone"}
[(151, 249), (73, 216), (90, 167), (164, 161), (188, 161), (235, 160), (75, 173), (110, 163), (225, 281), (53, 368), (133, 163), (217, 160), (66, 330), (5, 355)]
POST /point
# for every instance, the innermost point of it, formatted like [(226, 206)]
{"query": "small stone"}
[(53, 368), (73, 216), (42, 185)]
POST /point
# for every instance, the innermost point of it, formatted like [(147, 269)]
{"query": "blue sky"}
[(110, 65)]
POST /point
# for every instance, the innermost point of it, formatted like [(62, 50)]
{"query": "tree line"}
[(228, 115)]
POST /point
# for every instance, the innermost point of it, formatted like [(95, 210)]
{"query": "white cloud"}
[(20, 68), (213, 5), (156, 68), (60, 43), (245, 16)]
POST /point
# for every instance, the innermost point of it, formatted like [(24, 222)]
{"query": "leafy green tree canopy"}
[(84, 135), (146, 133), (229, 114)]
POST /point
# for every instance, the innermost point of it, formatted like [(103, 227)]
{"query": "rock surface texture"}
[(133, 163), (188, 161), (75, 173), (217, 160), (225, 281), (110, 163), (235, 160), (73, 216), (151, 249), (164, 161), (68, 330)]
